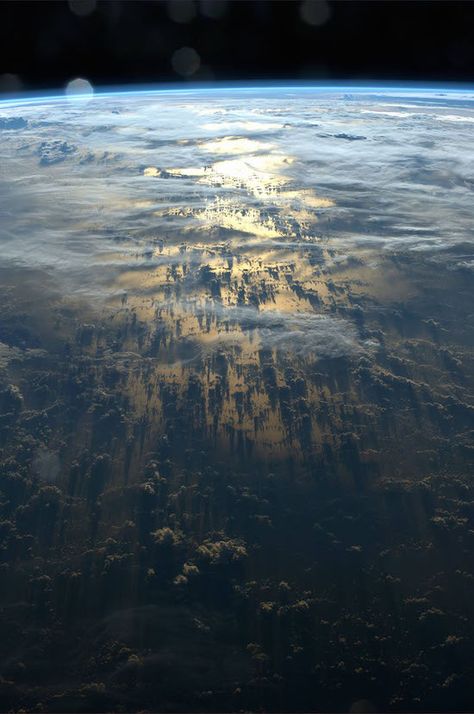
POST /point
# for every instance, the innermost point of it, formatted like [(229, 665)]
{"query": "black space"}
[(45, 44)]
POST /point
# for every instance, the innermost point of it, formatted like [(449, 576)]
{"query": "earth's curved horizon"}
[(237, 399)]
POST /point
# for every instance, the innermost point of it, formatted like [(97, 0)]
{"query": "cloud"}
[(456, 118), (297, 333), (53, 152), (46, 465), (10, 354), (407, 187), (13, 123), (305, 333)]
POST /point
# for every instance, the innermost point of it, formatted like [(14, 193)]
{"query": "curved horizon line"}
[(34, 96)]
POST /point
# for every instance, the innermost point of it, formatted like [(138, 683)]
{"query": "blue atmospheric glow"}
[(245, 87)]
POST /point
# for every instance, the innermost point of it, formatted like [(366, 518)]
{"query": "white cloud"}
[(297, 333)]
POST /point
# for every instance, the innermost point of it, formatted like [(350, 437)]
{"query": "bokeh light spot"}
[(79, 88), (10, 83), (82, 8), (315, 12), (185, 61)]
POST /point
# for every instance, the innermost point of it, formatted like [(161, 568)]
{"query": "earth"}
[(237, 401)]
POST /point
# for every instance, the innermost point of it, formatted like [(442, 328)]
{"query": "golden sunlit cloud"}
[(229, 215), (235, 145)]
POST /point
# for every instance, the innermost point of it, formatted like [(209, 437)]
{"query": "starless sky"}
[(44, 45)]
